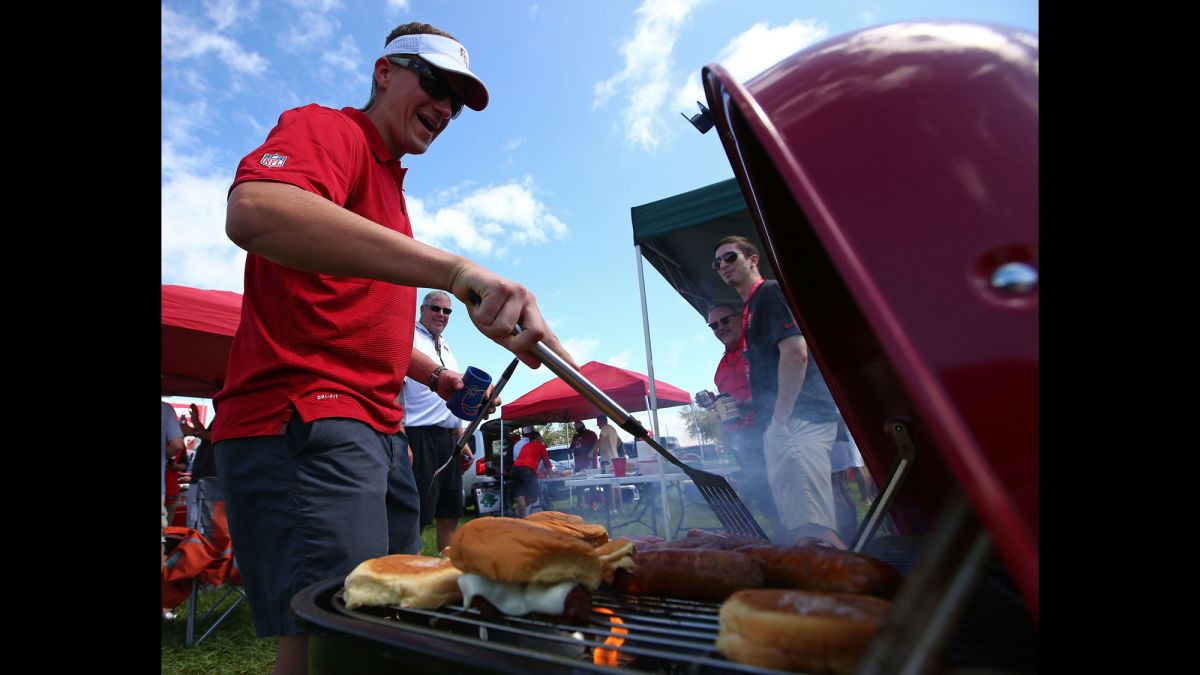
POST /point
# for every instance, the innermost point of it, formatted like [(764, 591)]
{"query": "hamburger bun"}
[(615, 555), (413, 581), (799, 630), (570, 525), (516, 551)]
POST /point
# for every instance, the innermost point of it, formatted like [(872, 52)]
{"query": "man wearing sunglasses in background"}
[(792, 403), (309, 443), (739, 431), (431, 428)]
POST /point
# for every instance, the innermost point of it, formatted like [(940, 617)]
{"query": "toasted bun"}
[(554, 516), (413, 581), (512, 550), (799, 630), (615, 555), (570, 525)]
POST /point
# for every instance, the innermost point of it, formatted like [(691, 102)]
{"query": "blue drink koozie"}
[(466, 401)]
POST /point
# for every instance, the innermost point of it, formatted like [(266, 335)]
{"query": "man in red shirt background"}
[(309, 444), (525, 470), (738, 432)]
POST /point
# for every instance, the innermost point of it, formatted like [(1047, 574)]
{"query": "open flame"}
[(608, 657)]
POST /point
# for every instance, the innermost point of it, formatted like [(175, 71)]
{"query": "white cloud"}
[(513, 144), (308, 32), (316, 5), (581, 349), (622, 360), (396, 6), (753, 51), (183, 39), (225, 13), (195, 250), (648, 59), (475, 223), (344, 65)]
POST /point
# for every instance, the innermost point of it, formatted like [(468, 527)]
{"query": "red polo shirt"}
[(733, 378), (532, 454), (330, 346)]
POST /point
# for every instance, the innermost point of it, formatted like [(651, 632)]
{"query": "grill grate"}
[(660, 635)]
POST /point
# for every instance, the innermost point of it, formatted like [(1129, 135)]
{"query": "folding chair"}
[(211, 524)]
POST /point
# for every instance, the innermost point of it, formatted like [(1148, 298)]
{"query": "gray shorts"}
[(311, 505)]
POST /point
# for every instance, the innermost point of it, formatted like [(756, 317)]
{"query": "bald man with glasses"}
[(431, 428)]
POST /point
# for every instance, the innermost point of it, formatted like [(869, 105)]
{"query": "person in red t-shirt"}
[(525, 470), (309, 444), (739, 433)]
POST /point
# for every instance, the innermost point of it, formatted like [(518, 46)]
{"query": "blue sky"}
[(583, 124)]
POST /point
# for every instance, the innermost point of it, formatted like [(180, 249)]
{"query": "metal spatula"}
[(724, 502)]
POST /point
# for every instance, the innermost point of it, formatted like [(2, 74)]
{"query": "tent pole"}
[(653, 407)]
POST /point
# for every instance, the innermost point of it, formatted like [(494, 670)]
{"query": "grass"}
[(233, 649)]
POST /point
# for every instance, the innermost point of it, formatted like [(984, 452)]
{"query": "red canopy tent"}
[(197, 331), (555, 401)]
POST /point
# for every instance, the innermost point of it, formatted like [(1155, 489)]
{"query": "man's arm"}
[(296, 228), (174, 446), (420, 367), (793, 365)]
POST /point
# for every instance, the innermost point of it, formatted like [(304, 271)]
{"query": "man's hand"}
[(503, 305), (450, 382)]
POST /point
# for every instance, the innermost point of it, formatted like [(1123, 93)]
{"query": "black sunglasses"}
[(436, 309), (433, 83), (728, 257), (722, 321)]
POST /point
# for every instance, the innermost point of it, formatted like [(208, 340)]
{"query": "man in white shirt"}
[(526, 432), (431, 428), (609, 444)]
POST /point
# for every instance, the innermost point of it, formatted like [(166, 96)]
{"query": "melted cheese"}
[(516, 599)]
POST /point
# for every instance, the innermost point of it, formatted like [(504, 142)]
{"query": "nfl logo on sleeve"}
[(273, 160)]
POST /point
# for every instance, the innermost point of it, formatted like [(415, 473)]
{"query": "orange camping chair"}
[(203, 561)]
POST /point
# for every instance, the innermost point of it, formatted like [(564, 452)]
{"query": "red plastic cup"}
[(619, 465)]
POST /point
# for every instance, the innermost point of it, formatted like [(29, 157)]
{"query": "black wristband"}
[(433, 378)]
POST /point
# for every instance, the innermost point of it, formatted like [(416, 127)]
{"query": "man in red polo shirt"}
[(309, 443)]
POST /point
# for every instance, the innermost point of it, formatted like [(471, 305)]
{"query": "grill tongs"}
[(720, 496)]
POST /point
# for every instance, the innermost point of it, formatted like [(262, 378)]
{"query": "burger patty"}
[(577, 607)]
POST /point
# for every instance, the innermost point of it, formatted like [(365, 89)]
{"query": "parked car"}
[(476, 475), (562, 458)]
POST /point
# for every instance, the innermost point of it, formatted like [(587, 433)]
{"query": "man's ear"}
[(383, 69)]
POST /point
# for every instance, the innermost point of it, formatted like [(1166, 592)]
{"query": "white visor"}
[(444, 54)]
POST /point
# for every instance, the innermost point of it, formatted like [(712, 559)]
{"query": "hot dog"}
[(826, 569), (691, 574)]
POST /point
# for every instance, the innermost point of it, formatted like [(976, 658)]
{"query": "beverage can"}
[(727, 409)]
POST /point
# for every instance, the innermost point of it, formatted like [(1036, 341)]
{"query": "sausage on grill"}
[(826, 569), (691, 574)]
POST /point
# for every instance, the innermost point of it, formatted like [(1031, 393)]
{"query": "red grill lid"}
[(893, 177)]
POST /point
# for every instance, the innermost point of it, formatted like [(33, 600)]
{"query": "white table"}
[(645, 484)]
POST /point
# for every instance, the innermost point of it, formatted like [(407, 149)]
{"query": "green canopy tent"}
[(677, 235)]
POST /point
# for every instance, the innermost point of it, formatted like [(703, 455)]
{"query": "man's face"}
[(729, 332), (411, 117), (735, 273), (435, 320), (579, 427)]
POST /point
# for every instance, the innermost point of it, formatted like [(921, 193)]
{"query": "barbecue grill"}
[(892, 176)]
